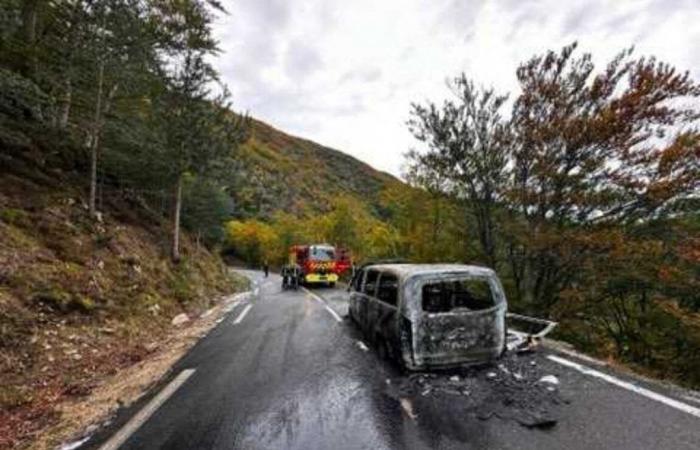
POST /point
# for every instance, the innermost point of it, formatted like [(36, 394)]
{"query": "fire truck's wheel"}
[(331, 285)]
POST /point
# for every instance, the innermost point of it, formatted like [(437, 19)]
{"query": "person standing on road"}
[(266, 268)]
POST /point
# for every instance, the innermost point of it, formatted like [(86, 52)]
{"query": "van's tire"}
[(382, 350)]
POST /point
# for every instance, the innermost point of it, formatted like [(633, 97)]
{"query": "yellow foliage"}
[(255, 241)]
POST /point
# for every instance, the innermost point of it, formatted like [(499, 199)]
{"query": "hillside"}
[(279, 171), (83, 300)]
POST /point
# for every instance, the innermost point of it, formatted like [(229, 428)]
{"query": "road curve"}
[(281, 372)]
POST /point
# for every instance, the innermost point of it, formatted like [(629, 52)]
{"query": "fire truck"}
[(315, 264)]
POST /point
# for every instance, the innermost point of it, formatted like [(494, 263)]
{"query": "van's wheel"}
[(383, 350)]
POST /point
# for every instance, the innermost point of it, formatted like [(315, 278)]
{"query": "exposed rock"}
[(207, 313), (180, 319)]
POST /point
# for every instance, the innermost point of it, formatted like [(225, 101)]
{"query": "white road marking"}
[(242, 314), (74, 445), (333, 313), (629, 386), (142, 416), (325, 305), (362, 345)]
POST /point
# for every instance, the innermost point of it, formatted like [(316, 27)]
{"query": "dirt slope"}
[(83, 300)]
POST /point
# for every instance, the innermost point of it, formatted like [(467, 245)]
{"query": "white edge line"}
[(629, 386), (146, 412), (333, 313), (242, 314), (325, 305)]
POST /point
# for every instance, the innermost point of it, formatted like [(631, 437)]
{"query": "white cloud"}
[(344, 73)]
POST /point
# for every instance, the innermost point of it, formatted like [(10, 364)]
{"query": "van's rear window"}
[(444, 296)]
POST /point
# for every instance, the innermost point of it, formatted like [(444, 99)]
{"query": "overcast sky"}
[(344, 72)]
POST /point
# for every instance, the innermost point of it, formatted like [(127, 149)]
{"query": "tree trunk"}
[(64, 112), (436, 219), (29, 21), (95, 138), (175, 251)]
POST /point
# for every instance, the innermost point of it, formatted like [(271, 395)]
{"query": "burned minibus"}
[(430, 315)]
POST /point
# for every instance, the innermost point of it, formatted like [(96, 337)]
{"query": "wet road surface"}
[(285, 370)]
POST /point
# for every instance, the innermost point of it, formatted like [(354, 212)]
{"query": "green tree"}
[(199, 133), (467, 153)]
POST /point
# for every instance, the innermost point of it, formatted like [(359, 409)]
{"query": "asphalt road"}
[(285, 370)]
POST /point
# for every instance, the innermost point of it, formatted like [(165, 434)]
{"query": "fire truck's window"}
[(388, 288), (472, 294), (322, 253), (371, 282)]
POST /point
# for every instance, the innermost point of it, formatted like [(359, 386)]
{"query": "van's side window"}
[(357, 280), (371, 282), (388, 288), (444, 296)]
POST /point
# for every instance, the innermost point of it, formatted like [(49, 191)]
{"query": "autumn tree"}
[(254, 241), (592, 148), (467, 151)]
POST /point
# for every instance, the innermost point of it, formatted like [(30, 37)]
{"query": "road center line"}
[(629, 386), (142, 416), (242, 314), (325, 305)]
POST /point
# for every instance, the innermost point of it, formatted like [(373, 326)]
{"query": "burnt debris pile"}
[(515, 388)]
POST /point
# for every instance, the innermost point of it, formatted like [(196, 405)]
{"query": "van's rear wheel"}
[(383, 350)]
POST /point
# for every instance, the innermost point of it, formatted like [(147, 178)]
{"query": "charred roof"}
[(406, 270)]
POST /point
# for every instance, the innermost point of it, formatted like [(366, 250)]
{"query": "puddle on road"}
[(515, 388)]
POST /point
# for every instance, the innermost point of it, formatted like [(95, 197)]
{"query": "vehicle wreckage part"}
[(521, 341)]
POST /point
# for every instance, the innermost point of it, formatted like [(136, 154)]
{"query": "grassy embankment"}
[(82, 300)]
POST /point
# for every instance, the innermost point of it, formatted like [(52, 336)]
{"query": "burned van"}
[(430, 315)]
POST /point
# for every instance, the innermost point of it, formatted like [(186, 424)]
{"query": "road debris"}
[(408, 408), (551, 379), (517, 390), (532, 331)]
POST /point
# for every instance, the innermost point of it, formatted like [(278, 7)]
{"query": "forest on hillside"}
[(581, 191), (126, 92)]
